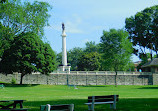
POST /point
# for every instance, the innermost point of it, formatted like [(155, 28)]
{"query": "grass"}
[(131, 98)]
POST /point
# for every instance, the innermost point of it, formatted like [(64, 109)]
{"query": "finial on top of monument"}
[(63, 26)]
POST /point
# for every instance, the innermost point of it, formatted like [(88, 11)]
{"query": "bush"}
[(13, 81)]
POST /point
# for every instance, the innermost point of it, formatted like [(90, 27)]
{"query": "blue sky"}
[(85, 20)]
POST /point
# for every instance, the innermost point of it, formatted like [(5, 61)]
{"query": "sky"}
[(85, 20)]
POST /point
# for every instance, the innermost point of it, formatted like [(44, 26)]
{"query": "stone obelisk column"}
[(64, 53), (64, 66)]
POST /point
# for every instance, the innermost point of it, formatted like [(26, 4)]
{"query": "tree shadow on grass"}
[(95, 86), (20, 85), (124, 104), (148, 88)]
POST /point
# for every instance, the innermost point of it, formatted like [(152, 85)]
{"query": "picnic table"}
[(12, 105)]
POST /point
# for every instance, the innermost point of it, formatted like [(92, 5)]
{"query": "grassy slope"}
[(132, 98)]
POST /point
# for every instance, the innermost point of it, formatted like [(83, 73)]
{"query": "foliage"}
[(59, 58), (116, 49), (142, 30), (13, 81), (91, 47), (2, 1), (49, 61), (6, 37), (89, 62), (130, 67), (24, 17), (28, 54), (18, 18), (74, 57)]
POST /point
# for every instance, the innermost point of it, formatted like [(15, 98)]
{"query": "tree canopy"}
[(143, 32), (116, 49), (17, 18), (91, 47), (28, 54), (89, 62), (74, 57), (5, 38), (24, 17)]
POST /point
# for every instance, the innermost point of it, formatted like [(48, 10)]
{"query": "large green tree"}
[(89, 62), (74, 57), (143, 31), (28, 54), (17, 18), (91, 47), (24, 17), (5, 38), (116, 50)]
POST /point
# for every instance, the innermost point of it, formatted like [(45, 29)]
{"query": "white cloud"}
[(72, 25), (85, 41)]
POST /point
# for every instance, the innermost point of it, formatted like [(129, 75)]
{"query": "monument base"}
[(64, 68)]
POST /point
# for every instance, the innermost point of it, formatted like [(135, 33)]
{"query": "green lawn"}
[(131, 98)]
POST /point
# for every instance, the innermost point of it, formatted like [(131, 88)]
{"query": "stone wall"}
[(84, 79)]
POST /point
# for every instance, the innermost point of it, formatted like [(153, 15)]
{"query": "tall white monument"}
[(64, 66)]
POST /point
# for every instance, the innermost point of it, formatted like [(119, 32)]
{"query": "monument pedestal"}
[(64, 68)]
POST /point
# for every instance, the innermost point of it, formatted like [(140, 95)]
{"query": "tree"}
[(142, 30), (24, 17), (74, 56), (5, 38), (28, 54), (18, 18), (91, 47), (49, 60), (116, 50), (89, 62), (2, 1), (59, 58)]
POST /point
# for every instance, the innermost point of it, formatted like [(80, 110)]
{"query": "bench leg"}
[(111, 106), (72, 107), (114, 105), (48, 107), (92, 107), (89, 107)]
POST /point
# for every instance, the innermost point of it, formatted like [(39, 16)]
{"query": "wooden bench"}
[(12, 105), (60, 107), (108, 99), (1, 85)]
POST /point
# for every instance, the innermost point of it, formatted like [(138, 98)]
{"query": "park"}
[(101, 57), (131, 98)]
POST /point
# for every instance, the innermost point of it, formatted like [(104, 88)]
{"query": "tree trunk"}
[(151, 57), (115, 78), (22, 75)]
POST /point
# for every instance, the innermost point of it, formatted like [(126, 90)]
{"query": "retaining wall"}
[(84, 78)]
